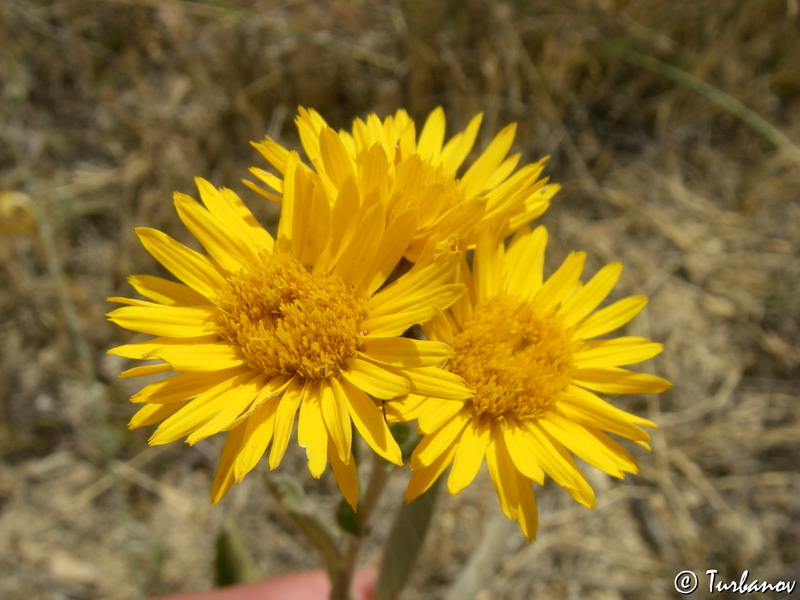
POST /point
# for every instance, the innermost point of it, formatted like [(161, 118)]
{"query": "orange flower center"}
[(286, 319), (517, 359)]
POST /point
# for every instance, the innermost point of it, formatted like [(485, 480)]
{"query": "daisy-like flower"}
[(419, 173), (527, 347), (264, 331)]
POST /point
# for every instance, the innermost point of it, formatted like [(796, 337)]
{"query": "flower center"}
[(288, 320), (517, 359)]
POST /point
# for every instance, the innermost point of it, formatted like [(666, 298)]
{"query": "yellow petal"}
[(224, 476), (346, 475), (522, 453), (286, 223), (237, 403), (500, 173), (418, 283), (403, 408), (302, 192), (194, 269), (461, 217), (590, 447), (338, 164), (524, 508), (405, 352), (394, 243), (150, 414), (504, 477), (373, 379), (533, 206), (259, 429), (270, 391), (525, 180), (145, 370), (424, 477), (318, 228), (434, 412), (144, 350), (442, 327), (228, 207), (520, 208), (369, 422), (483, 168), (527, 512), (132, 301), (311, 432), (199, 357), (431, 137), (459, 146), (560, 283), (336, 416), (584, 407), (309, 125), (224, 248), (165, 291), (284, 420), (558, 464), (356, 264), (183, 386), (204, 408), (487, 267), (435, 382), (461, 309), (591, 294), (275, 154), (167, 321), (272, 180), (616, 352), (374, 173), (436, 443), (610, 318), (343, 226), (469, 455), (619, 381), (525, 262), (417, 308)]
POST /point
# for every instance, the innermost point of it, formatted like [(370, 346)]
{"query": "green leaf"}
[(233, 563), (346, 518), (405, 437), (405, 541)]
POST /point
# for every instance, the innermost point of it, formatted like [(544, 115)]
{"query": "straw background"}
[(669, 125)]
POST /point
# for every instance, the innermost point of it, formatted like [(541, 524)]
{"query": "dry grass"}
[(110, 106)]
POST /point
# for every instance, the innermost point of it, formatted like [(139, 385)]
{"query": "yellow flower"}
[(261, 331), (525, 346), (406, 172)]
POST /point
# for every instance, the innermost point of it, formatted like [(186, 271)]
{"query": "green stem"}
[(290, 497), (756, 122), (484, 560), (342, 581)]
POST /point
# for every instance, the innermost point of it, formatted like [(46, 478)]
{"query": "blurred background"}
[(672, 126)]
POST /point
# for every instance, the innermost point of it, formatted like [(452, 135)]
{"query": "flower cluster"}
[(310, 329)]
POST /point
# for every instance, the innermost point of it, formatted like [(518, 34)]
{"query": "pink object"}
[(304, 585)]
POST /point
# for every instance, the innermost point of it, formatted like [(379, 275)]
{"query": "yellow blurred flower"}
[(387, 159), (263, 330), (17, 214), (525, 345)]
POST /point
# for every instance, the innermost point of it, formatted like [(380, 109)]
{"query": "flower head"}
[(263, 331), (526, 347), (420, 174)]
